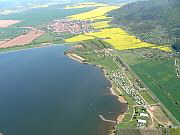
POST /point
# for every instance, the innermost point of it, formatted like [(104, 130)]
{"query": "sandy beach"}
[(75, 57), (120, 99)]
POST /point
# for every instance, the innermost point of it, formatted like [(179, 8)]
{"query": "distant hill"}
[(154, 21)]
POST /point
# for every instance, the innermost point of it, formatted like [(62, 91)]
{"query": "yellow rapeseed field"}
[(85, 5), (164, 48), (118, 38), (98, 18), (99, 25), (79, 38), (94, 14)]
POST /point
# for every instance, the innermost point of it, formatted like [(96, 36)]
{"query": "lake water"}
[(43, 92)]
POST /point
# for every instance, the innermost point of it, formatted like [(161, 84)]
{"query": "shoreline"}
[(75, 57), (120, 99), (23, 49), (14, 49)]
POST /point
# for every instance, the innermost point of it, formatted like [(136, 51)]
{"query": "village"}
[(177, 67), (70, 26)]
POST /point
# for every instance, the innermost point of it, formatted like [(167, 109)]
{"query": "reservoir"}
[(43, 92)]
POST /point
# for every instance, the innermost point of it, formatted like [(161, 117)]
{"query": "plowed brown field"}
[(23, 39)]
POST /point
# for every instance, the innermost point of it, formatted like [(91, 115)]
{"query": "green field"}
[(8, 33), (160, 77), (147, 97), (47, 38), (105, 62), (175, 131)]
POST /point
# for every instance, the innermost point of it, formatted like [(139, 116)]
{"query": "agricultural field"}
[(9, 33), (79, 38), (51, 37), (160, 77), (23, 39), (101, 24), (163, 48), (96, 14), (46, 38), (85, 5)]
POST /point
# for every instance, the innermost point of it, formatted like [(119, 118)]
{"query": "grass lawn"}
[(98, 59), (45, 38), (175, 131), (107, 63), (131, 124), (147, 97)]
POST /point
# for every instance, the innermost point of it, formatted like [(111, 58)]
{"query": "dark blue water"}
[(43, 92)]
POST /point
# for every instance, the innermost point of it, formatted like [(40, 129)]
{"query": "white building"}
[(142, 121), (144, 115)]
